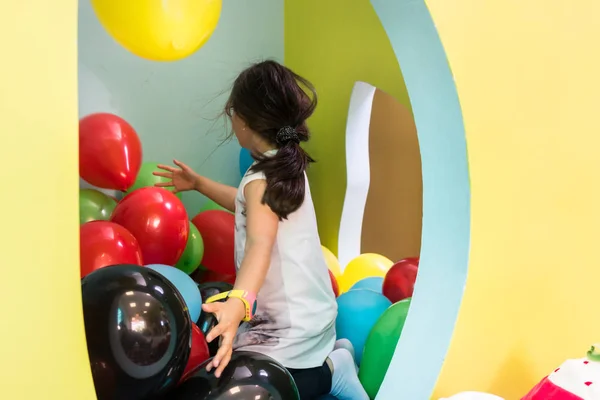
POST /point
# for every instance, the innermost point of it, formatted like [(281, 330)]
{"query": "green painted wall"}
[(334, 45)]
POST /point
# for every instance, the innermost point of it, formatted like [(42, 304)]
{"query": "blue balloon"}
[(358, 311), (246, 161), (374, 283), (185, 285)]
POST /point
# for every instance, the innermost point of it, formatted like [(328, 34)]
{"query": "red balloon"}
[(217, 229), (399, 282), (334, 284), (110, 151), (158, 220), (199, 352), (104, 243), (204, 276)]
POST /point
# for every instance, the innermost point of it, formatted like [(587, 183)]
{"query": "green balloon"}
[(95, 205), (146, 178), (194, 250), (381, 345), (211, 205)]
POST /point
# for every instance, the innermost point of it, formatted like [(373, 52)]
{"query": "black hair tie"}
[(287, 134)]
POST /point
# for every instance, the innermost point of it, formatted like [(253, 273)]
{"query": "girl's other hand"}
[(181, 179), (229, 314)]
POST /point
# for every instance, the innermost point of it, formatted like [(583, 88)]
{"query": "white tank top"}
[(295, 318)]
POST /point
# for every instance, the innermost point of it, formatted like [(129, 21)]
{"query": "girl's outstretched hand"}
[(181, 179), (229, 314)]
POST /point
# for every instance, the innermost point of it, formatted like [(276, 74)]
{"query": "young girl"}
[(278, 253)]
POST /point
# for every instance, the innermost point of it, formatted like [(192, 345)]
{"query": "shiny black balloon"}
[(210, 289), (248, 376), (207, 321), (138, 332)]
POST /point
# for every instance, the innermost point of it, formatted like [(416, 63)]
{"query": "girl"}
[(277, 248)]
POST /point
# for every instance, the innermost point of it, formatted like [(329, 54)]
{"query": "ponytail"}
[(275, 103), (285, 173)]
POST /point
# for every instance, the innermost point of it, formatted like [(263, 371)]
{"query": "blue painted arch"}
[(425, 339)]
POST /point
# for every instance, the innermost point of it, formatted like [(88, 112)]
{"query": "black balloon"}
[(248, 375), (207, 321), (210, 289), (138, 332)]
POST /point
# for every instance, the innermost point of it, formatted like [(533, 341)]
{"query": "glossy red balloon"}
[(158, 220), (217, 228), (399, 282), (204, 276), (334, 284), (110, 151), (198, 354), (104, 243)]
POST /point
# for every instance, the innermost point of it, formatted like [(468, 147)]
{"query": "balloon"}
[(399, 282), (414, 260), (137, 332), (197, 274), (199, 352), (104, 243), (159, 30), (159, 222), (146, 178), (374, 283), (186, 286), (363, 266), (211, 276), (334, 284), (217, 229), (332, 262), (207, 321), (194, 250), (381, 345), (95, 206), (248, 375), (211, 205), (246, 161), (358, 311), (210, 289), (110, 151)]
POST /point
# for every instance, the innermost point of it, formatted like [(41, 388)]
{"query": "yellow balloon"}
[(364, 266), (332, 263), (159, 30)]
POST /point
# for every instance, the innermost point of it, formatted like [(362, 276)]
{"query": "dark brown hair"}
[(273, 102)]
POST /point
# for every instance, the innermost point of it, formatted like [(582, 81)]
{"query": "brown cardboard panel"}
[(393, 214)]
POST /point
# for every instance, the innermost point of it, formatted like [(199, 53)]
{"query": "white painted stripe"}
[(358, 172)]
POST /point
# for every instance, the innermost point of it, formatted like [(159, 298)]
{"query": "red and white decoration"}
[(574, 380)]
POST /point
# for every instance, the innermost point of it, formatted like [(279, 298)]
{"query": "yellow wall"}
[(42, 345), (334, 45), (527, 74)]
